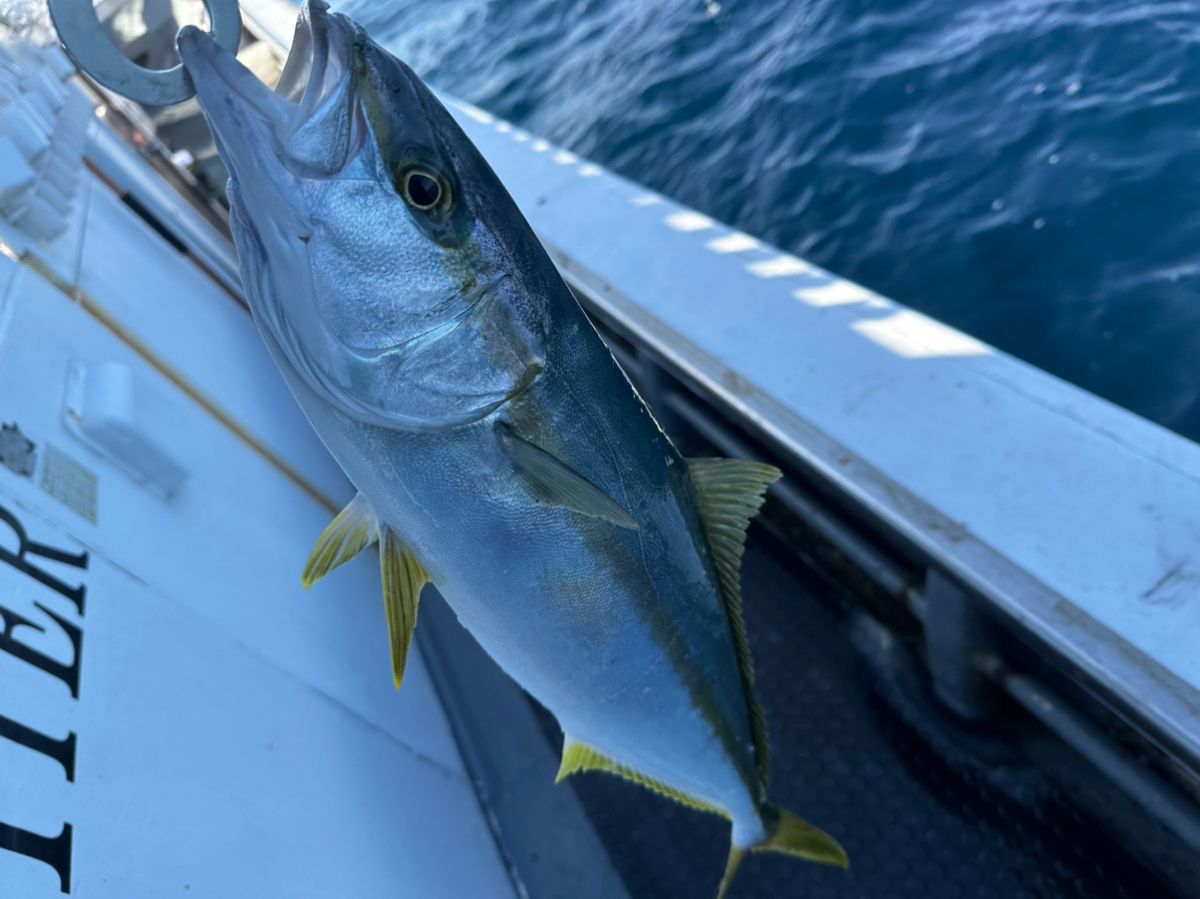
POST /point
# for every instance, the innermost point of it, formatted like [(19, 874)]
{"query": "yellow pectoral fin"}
[(353, 530), (554, 482), (403, 580)]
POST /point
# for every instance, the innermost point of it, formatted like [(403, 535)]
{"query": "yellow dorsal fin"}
[(403, 580), (578, 757), (731, 491), (351, 531)]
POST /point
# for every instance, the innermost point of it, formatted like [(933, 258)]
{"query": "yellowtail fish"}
[(498, 449)]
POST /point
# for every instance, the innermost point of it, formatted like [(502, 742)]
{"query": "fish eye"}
[(424, 189)]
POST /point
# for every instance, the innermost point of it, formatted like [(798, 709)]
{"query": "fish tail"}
[(787, 835), (731, 868)]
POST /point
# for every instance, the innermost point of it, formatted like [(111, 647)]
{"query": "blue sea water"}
[(1026, 170)]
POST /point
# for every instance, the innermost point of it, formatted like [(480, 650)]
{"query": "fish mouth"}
[(308, 60), (305, 122)]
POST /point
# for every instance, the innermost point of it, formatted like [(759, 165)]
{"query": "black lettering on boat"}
[(10, 643), (56, 852), (27, 547), (62, 751)]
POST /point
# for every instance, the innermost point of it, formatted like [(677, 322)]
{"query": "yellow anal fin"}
[(731, 491), (578, 757), (351, 531), (403, 580)]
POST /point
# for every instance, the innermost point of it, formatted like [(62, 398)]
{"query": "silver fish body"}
[(451, 373), (621, 633)]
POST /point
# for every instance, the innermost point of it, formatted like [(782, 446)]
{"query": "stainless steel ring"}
[(88, 45)]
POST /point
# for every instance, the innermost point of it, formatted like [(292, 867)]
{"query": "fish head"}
[(383, 260)]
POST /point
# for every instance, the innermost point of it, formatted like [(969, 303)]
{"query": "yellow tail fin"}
[(731, 868), (790, 836)]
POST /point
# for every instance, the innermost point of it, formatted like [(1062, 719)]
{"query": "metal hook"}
[(89, 47)]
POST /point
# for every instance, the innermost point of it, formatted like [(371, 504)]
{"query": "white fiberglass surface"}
[(227, 722)]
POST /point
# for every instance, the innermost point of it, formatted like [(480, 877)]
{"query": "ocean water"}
[(1026, 170)]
